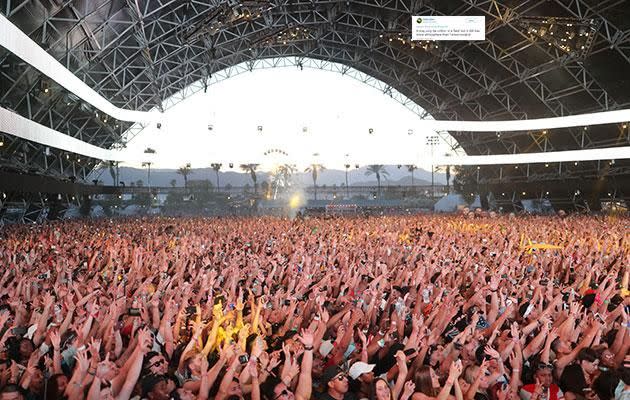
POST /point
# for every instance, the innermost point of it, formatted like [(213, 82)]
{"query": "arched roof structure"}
[(542, 58)]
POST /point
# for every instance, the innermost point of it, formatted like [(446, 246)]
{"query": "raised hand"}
[(401, 360), (492, 352), (83, 363), (306, 337), (95, 347), (55, 339), (456, 369), (408, 389), (257, 347)]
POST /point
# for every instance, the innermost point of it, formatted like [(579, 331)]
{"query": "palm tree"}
[(411, 168), (216, 168), (251, 168), (448, 179), (378, 170), (347, 189), (148, 165), (315, 169), (185, 171)]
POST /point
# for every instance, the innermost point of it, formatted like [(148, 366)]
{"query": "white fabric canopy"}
[(18, 43), (24, 128)]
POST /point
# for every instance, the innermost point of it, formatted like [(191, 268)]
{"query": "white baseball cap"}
[(359, 368)]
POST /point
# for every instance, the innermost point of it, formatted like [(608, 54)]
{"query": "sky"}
[(307, 116)]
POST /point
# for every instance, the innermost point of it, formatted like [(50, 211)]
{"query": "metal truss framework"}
[(142, 55)]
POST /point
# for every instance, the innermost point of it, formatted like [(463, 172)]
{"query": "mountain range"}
[(235, 177)]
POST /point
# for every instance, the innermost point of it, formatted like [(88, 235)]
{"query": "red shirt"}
[(553, 393)]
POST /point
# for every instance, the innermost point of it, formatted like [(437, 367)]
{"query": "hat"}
[(329, 374), (325, 348), (359, 368)]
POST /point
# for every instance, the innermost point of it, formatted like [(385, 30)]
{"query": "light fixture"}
[(410, 132), (544, 132), (210, 127), (231, 165), (259, 128), (503, 194), (546, 165), (356, 166), (624, 126), (304, 129), (586, 128), (370, 131), (159, 125), (575, 163), (1, 143), (524, 193), (478, 167), (547, 193), (516, 167)]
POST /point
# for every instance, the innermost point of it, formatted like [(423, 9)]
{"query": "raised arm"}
[(305, 380)]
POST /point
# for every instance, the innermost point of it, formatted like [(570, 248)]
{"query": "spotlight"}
[(524, 193), (503, 194), (575, 163), (260, 128), (44, 86), (586, 128), (399, 166), (210, 127), (624, 126), (1, 143), (478, 168), (304, 129), (159, 125), (612, 162), (547, 165), (370, 131), (231, 165), (356, 166), (410, 132), (516, 167)]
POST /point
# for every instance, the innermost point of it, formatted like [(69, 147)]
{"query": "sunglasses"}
[(155, 364), (285, 392)]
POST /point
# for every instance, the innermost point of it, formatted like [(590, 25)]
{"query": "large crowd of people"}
[(387, 308)]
